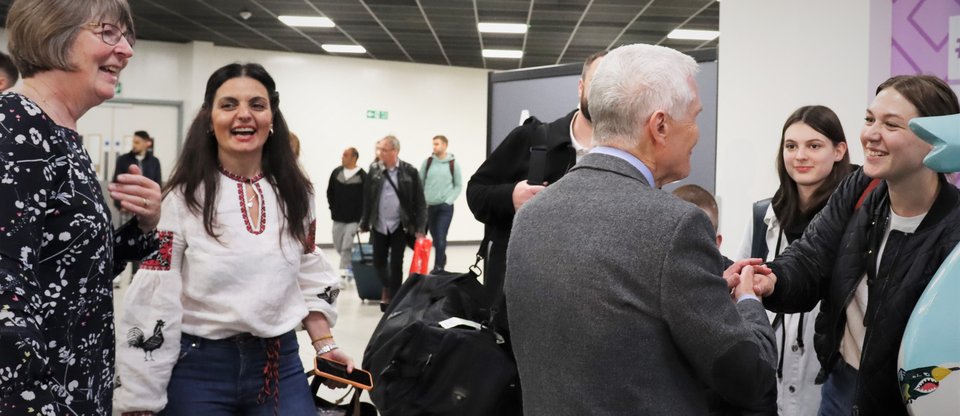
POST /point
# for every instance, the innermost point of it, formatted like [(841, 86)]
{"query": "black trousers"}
[(392, 244)]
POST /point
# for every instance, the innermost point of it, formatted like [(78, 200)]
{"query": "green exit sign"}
[(377, 114)]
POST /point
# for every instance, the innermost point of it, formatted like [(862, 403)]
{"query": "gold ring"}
[(145, 202)]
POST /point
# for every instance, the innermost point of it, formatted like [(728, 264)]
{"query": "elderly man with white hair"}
[(617, 305)]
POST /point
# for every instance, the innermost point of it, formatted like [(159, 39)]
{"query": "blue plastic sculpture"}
[(930, 352)]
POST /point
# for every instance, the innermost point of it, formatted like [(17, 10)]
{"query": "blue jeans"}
[(225, 377), (438, 223), (837, 394)]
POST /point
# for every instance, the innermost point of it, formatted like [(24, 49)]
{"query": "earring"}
[(271, 131)]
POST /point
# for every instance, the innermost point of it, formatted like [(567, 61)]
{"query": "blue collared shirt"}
[(631, 159)]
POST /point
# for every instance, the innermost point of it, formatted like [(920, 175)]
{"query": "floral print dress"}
[(58, 255)]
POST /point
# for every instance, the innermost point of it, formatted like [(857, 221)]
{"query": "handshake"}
[(749, 277)]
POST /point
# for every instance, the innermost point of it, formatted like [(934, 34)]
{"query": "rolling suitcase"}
[(368, 284)]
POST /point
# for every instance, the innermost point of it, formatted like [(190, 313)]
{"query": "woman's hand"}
[(139, 195), (339, 356)]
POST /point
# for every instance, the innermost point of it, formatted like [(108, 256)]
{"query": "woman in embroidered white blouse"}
[(208, 324)]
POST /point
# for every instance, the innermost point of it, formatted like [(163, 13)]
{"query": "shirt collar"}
[(631, 159), (579, 149)]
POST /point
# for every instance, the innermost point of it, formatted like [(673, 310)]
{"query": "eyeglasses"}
[(110, 34)]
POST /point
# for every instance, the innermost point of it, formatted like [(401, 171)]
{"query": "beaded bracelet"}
[(326, 348)]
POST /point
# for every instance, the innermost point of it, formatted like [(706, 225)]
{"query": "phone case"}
[(318, 371)]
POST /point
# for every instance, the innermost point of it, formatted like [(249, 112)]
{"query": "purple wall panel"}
[(920, 43)]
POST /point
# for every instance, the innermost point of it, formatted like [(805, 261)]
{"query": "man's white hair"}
[(630, 84)]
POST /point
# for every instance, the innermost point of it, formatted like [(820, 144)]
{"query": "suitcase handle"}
[(360, 243)]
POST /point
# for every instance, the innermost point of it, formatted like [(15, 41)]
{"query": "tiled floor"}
[(357, 318)]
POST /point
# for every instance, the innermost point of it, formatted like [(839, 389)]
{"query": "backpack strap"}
[(873, 184), (758, 248), (452, 182), (427, 170)]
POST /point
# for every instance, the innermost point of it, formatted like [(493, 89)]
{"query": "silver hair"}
[(631, 83), (394, 142)]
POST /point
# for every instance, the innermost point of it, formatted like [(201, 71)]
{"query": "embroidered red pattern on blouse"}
[(160, 259), (311, 245), (254, 181)]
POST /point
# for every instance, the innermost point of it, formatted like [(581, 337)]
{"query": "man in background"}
[(499, 187), (394, 212), (441, 187), (345, 198), (140, 154), (703, 199)]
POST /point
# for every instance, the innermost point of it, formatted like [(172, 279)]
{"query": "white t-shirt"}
[(852, 343), (348, 173)]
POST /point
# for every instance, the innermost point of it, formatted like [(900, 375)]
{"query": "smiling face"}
[(241, 117), (892, 151), (808, 155), (96, 64)]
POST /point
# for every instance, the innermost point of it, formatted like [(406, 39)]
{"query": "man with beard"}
[(499, 187)]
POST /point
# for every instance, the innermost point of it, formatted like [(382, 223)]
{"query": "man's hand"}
[(732, 274), (139, 195), (745, 287), (522, 193)]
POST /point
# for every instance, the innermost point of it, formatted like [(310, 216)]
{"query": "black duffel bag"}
[(420, 367)]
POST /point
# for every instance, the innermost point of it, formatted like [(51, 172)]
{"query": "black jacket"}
[(346, 198), (827, 263), (413, 207), (490, 189), (150, 166)]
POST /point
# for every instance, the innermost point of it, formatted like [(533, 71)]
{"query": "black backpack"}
[(421, 368)]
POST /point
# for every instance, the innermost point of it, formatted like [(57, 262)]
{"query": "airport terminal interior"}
[(350, 74)]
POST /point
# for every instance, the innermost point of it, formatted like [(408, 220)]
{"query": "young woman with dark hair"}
[(811, 162), (208, 324), (867, 265)]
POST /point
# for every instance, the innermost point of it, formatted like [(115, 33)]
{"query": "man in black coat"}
[(499, 187), (394, 211), (141, 155), (345, 197)]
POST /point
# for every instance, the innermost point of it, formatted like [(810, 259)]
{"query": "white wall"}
[(325, 100), (777, 55)]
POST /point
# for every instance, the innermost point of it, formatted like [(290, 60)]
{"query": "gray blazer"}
[(617, 305)]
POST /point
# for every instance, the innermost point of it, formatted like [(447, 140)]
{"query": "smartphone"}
[(538, 165), (337, 371)]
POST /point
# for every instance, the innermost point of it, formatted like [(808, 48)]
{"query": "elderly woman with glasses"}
[(58, 250)]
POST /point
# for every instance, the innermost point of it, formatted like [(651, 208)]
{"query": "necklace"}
[(53, 111)]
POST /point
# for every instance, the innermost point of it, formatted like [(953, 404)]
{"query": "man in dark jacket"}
[(499, 187), (394, 211), (140, 155), (345, 197)]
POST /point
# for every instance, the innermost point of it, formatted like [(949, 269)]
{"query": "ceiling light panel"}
[(518, 28), (693, 34), (502, 53), (307, 21), (334, 48)]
